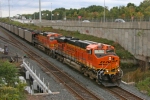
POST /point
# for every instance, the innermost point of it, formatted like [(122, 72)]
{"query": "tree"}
[(147, 11), (114, 12), (131, 11), (139, 15), (8, 73), (131, 4), (97, 12), (144, 6), (10, 86)]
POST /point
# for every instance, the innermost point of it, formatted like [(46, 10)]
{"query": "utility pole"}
[(51, 11), (40, 13), (0, 10), (104, 10), (9, 8)]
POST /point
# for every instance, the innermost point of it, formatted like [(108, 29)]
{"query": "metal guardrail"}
[(41, 83)]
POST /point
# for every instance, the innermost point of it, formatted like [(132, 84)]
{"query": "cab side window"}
[(89, 51), (51, 38)]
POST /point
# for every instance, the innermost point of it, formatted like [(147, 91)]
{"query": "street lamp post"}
[(104, 10), (9, 8), (40, 12), (0, 10), (51, 11)]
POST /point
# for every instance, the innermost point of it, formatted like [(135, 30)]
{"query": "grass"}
[(141, 79), (144, 86)]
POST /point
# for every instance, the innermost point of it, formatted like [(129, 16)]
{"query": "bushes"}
[(144, 86), (10, 86), (127, 65)]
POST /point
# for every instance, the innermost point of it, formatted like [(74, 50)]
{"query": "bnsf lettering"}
[(102, 62), (106, 62)]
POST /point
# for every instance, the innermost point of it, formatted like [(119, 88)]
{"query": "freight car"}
[(96, 60)]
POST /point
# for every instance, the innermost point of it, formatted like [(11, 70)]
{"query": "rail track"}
[(123, 94), (75, 88), (80, 92)]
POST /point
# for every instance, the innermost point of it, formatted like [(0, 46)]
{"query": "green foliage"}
[(143, 86), (12, 93), (140, 33), (124, 54), (10, 86), (8, 73), (136, 76), (127, 65), (96, 12)]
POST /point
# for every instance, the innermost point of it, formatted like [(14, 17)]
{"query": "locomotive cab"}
[(105, 62), (48, 40)]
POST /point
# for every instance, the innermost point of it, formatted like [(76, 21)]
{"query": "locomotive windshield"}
[(110, 51), (99, 51), (51, 38)]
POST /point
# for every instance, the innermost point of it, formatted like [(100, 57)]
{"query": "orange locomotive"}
[(46, 41), (96, 60)]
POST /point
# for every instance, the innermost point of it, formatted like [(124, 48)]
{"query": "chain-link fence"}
[(110, 19)]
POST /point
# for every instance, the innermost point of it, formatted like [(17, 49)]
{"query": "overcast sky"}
[(31, 6)]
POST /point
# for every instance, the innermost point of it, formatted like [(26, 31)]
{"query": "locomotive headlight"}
[(107, 71), (109, 58), (118, 70)]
